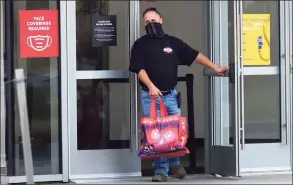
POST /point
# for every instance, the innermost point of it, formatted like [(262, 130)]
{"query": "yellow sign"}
[(256, 39)]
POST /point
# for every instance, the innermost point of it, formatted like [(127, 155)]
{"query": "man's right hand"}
[(154, 92)]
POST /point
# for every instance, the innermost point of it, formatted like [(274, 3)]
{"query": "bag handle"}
[(153, 109)]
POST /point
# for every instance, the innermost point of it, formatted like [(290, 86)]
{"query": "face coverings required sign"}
[(38, 33)]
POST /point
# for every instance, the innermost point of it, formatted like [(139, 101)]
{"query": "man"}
[(155, 58)]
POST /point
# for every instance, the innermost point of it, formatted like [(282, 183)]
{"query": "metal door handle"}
[(229, 73), (210, 72), (240, 75)]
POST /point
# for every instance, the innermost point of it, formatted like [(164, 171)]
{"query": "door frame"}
[(69, 75)]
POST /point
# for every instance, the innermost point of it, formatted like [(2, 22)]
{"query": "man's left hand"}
[(220, 70)]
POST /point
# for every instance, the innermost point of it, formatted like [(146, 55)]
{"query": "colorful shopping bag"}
[(164, 136)]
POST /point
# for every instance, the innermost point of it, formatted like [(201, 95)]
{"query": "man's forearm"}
[(143, 76), (203, 60)]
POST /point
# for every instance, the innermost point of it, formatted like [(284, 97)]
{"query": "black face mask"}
[(154, 29)]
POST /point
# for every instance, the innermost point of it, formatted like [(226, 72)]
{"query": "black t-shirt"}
[(160, 58)]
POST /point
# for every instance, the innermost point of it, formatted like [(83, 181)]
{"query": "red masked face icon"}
[(39, 42)]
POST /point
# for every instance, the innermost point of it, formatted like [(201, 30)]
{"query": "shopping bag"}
[(164, 136)]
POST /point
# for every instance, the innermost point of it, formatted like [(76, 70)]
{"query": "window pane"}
[(43, 101), (272, 8), (259, 7), (103, 114), (262, 109), (261, 93), (104, 57)]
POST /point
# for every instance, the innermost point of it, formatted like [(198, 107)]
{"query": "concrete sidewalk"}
[(199, 179)]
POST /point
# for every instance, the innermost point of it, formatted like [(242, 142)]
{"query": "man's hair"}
[(151, 9)]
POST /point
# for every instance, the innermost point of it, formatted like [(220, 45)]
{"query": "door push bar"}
[(229, 73)]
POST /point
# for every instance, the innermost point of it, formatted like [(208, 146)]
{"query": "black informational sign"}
[(104, 30)]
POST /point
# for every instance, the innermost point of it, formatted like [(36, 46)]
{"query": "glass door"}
[(251, 124), (102, 95), (265, 84), (222, 136)]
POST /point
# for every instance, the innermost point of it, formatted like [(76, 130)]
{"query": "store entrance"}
[(103, 99), (104, 108)]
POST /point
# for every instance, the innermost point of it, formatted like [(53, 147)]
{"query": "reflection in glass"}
[(43, 101), (103, 117)]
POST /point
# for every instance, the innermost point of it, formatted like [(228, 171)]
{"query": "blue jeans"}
[(161, 165)]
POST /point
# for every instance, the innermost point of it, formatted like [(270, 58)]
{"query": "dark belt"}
[(164, 93)]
